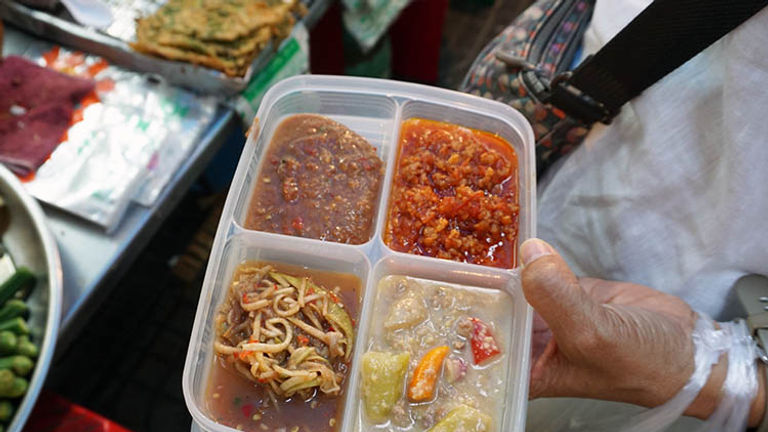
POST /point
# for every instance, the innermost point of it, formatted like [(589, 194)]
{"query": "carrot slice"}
[(424, 379)]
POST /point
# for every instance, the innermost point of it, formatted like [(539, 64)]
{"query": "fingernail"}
[(533, 249)]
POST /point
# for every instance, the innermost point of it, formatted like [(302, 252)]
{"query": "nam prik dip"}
[(454, 195), (318, 180)]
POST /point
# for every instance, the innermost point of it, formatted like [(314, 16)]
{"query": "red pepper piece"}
[(298, 224), (484, 346), (247, 410), (334, 297)]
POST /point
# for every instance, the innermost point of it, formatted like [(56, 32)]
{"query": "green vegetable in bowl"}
[(383, 376), (25, 347), (16, 325), (6, 381), (17, 352), (13, 308), (11, 386), (8, 342), (6, 410), (18, 388), (19, 364), (21, 281)]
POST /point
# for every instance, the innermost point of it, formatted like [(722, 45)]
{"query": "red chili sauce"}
[(319, 180), (454, 195)]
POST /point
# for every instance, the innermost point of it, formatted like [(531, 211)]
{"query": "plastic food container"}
[(374, 109)]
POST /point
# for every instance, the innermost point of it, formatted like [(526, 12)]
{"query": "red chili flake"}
[(367, 164), (298, 223), (303, 340), (247, 410), (245, 298), (275, 285)]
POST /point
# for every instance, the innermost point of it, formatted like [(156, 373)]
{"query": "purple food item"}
[(36, 105), (26, 84), (27, 140), (455, 369)]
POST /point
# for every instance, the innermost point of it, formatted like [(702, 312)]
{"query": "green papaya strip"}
[(337, 315)]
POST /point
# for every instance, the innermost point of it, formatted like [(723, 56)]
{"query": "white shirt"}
[(674, 193)]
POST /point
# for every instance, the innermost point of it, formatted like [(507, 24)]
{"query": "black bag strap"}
[(664, 36)]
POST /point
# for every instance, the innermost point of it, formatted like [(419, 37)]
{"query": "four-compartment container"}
[(374, 109)]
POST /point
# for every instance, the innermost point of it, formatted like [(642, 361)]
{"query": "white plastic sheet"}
[(126, 147)]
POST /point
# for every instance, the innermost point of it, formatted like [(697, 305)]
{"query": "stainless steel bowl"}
[(31, 244)]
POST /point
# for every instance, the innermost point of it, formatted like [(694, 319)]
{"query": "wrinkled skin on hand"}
[(603, 340)]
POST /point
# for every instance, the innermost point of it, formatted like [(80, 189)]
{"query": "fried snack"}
[(221, 34)]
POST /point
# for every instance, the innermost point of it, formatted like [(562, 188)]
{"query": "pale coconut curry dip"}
[(436, 359)]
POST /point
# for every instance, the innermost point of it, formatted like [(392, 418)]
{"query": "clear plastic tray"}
[(374, 109)]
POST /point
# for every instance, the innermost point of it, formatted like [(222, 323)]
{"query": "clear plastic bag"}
[(582, 415), (126, 147)]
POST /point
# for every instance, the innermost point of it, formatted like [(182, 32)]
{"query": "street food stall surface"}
[(91, 258)]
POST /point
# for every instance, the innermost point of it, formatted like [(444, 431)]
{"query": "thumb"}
[(553, 290)]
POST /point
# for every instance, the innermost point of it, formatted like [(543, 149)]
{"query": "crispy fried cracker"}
[(221, 34)]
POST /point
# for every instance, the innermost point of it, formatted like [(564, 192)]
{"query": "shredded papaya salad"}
[(286, 333)]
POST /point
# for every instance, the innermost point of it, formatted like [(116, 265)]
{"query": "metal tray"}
[(31, 244), (114, 46)]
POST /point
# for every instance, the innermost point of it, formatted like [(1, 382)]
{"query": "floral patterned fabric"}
[(545, 36)]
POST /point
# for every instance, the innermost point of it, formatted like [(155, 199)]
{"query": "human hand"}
[(609, 340)]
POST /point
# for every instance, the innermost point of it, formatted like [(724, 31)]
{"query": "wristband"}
[(739, 387), (709, 344), (740, 384)]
